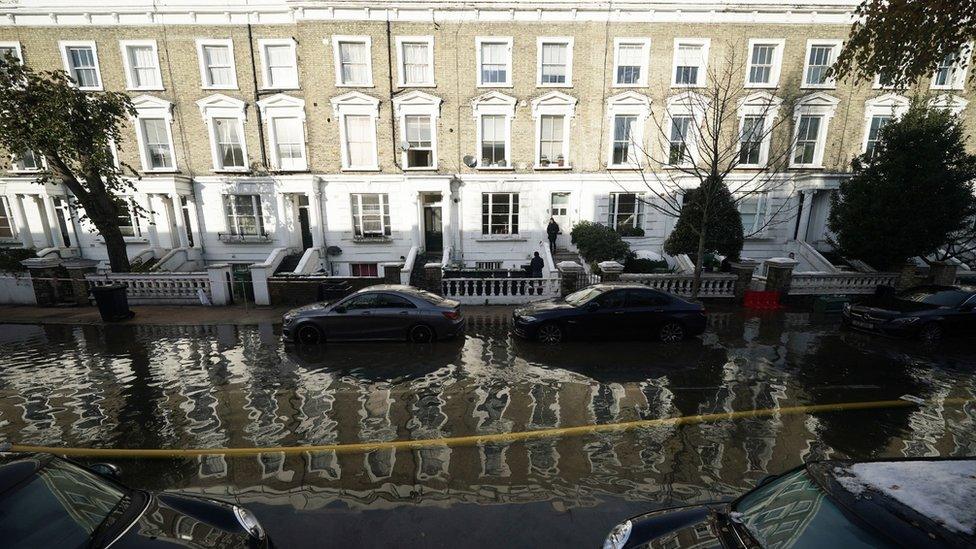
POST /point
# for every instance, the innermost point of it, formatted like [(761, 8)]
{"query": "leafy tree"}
[(904, 40), (913, 197), (710, 205), (74, 130), (597, 242)]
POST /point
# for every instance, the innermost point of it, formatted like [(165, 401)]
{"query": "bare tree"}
[(720, 138)]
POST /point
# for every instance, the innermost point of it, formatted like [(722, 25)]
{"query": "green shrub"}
[(10, 259), (630, 232), (644, 266), (598, 242)]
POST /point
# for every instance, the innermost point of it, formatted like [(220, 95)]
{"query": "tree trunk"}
[(699, 264), (102, 213)]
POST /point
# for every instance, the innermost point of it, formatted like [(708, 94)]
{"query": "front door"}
[(559, 210), (433, 229), (305, 227)]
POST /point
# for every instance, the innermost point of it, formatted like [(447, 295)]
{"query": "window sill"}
[(638, 85), (943, 88), (244, 238), (154, 89), (421, 169), (362, 169), (506, 85), (686, 86), (219, 87), (372, 239), (280, 88), (623, 167), (806, 167), (27, 172), (766, 86), (495, 168), (566, 85), (363, 85), (818, 86), (405, 85), (95, 89), (160, 172), (552, 168), (501, 238)]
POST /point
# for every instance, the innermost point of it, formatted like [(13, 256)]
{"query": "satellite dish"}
[(333, 251), (469, 161)]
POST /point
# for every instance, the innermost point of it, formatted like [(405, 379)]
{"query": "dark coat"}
[(552, 230), (536, 265)]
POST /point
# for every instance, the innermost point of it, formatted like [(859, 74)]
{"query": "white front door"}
[(559, 210)]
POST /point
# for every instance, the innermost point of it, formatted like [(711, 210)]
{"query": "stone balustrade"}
[(159, 288), (712, 285), (499, 291), (839, 283)]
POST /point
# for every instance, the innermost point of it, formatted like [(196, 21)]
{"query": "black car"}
[(611, 310), (831, 504), (49, 502), (927, 312), (382, 312)]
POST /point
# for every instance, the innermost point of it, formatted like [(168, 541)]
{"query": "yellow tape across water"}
[(474, 440)]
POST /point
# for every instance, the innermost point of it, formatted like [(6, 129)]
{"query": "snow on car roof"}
[(942, 490)]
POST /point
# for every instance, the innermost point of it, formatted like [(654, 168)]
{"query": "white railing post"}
[(220, 279)]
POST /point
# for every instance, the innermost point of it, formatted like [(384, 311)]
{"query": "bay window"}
[(499, 213), (371, 215), (626, 212)]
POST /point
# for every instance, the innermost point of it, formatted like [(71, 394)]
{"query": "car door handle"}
[(404, 313), (366, 313), (658, 311)]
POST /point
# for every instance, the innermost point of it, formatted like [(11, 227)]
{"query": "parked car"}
[(611, 310), (46, 501), (927, 312), (381, 312), (901, 503)]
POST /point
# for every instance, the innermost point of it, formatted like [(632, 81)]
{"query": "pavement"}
[(191, 315)]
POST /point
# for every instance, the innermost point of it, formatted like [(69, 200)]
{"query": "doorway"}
[(559, 210), (303, 224), (433, 223)]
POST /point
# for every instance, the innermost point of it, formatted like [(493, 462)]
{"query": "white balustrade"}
[(840, 283), (158, 288), (499, 291), (712, 285)]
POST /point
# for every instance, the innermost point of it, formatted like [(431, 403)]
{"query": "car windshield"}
[(582, 296), (793, 511), (943, 298), (62, 505)]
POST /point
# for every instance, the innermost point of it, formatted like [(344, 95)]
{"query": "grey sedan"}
[(382, 312)]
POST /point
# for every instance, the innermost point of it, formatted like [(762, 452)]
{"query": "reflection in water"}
[(209, 387)]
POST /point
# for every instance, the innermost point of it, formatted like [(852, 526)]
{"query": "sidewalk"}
[(193, 315)]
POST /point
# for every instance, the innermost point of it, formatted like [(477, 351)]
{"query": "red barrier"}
[(765, 300)]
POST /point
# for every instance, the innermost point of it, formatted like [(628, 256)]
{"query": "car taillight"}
[(452, 315)]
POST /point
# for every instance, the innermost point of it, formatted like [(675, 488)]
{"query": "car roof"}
[(385, 288), (941, 288), (621, 285)]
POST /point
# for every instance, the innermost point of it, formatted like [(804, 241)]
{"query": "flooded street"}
[(240, 387)]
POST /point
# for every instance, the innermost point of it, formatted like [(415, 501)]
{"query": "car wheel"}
[(672, 332), (931, 333), (309, 334), (421, 333), (550, 334)]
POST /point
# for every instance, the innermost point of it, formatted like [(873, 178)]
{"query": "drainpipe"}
[(257, 110), (389, 78)]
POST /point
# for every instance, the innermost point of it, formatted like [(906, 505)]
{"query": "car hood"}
[(892, 307), (682, 523), (180, 520), (305, 309), (547, 305)]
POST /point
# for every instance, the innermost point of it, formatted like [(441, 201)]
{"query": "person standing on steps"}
[(536, 265), (553, 231)]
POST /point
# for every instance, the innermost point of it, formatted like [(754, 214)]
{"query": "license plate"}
[(862, 324)]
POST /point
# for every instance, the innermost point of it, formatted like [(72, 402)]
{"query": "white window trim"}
[(691, 104), (417, 103), (494, 103), (514, 197), (63, 45), (129, 78), (336, 39), (401, 60), (629, 103), (645, 44), (356, 103), (148, 106), (877, 85), (16, 46), (229, 43), (478, 41), (14, 159), (759, 104), (385, 210), (563, 40), (705, 43), (777, 62), (554, 103), (222, 106), (284, 106), (613, 209), (958, 80), (815, 104), (952, 103), (759, 226), (830, 83), (266, 83), (889, 104)]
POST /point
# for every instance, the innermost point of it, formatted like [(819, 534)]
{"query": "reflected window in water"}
[(325, 464), (213, 466)]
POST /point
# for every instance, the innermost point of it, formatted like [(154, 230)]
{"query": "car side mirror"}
[(107, 470), (340, 310)]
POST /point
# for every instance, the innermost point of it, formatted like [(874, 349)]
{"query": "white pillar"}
[(146, 202), (191, 205), (45, 225), (20, 218), (180, 239), (282, 236), (259, 281), (805, 215), (57, 240), (315, 219), (220, 280)]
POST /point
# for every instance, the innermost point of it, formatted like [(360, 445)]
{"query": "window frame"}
[(64, 45), (493, 104), (829, 83), (558, 104), (430, 80), (542, 41), (776, 63), (890, 105), (136, 235), (613, 210), (645, 44), (224, 107), (758, 105), (417, 103), (337, 61), (9, 220), (282, 106), (130, 78), (232, 215), (205, 82), (957, 79), (700, 81), (17, 167), (514, 199), (507, 41), (629, 103), (816, 104), (266, 78), (15, 45), (356, 104), (759, 226), (386, 223), (149, 107), (375, 267)]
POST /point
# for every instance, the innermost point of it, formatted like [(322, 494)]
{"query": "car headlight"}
[(847, 308), (289, 318), (906, 320), (618, 536), (249, 522), (527, 318)]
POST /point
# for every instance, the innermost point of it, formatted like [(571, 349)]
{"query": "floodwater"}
[(232, 387)]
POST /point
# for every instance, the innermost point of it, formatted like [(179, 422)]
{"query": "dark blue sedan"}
[(616, 310)]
